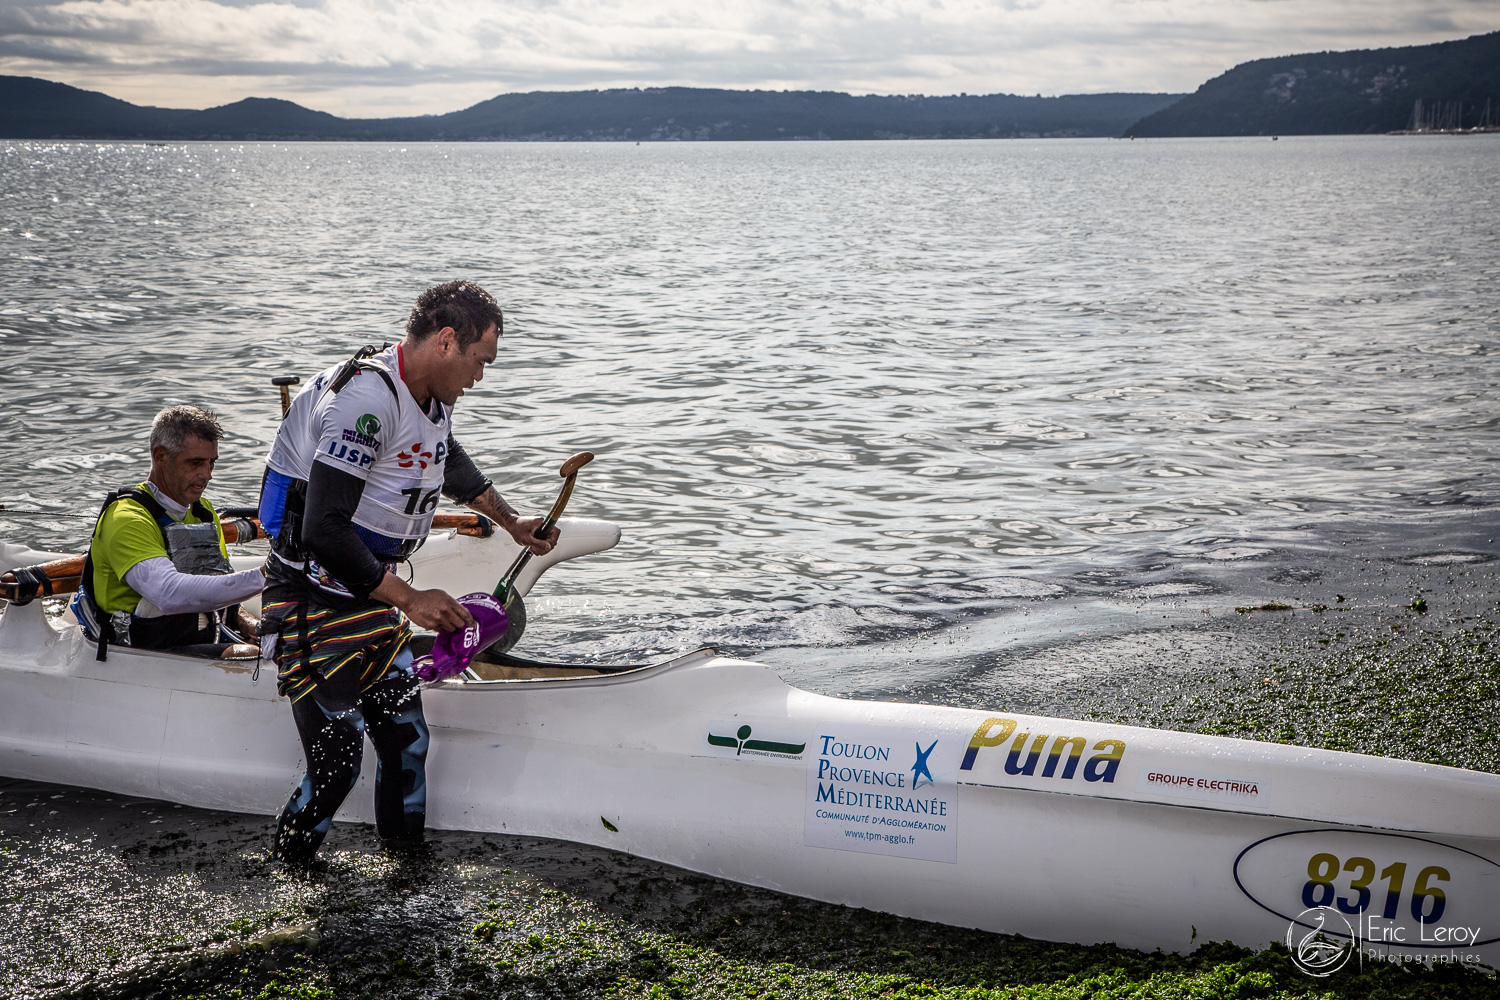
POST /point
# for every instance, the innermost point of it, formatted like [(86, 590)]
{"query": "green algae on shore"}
[(1359, 682), (519, 934)]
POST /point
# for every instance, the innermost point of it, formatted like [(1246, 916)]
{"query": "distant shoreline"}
[(40, 109)]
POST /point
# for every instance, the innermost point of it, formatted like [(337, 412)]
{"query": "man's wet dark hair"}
[(463, 305), (174, 425)]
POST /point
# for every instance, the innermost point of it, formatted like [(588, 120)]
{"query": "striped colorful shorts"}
[(340, 653)]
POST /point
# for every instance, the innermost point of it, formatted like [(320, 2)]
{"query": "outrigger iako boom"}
[(59, 576), (1051, 828)]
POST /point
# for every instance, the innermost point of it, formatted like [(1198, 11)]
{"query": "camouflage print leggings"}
[(390, 710)]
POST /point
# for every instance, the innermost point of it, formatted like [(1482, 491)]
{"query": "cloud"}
[(382, 56)]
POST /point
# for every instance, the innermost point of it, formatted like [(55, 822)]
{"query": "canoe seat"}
[(505, 672), (493, 665)]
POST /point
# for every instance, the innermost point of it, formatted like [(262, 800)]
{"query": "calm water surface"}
[(839, 392)]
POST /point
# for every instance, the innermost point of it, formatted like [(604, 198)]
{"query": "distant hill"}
[(39, 109), (1364, 90), (691, 113)]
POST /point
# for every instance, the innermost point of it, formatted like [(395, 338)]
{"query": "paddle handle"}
[(570, 468), (284, 383), (569, 472)]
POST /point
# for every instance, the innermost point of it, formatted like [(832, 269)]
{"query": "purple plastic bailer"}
[(452, 651)]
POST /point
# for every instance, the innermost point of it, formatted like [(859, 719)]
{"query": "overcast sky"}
[(394, 57)]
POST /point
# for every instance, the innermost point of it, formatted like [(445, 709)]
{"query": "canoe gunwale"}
[(618, 676)]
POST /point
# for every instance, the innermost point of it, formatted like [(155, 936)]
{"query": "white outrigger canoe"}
[(1050, 828)]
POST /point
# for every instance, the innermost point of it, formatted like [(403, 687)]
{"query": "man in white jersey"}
[(351, 485)]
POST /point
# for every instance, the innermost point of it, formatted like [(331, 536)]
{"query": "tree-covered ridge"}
[(1363, 90), (693, 113), (39, 109)]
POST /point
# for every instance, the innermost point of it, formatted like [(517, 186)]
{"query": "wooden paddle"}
[(62, 576), (505, 589), (284, 383)]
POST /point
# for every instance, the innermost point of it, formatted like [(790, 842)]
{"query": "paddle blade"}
[(452, 651)]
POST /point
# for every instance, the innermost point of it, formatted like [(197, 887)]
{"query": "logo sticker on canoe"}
[(1173, 782), (883, 791), (1061, 761), (753, 740)]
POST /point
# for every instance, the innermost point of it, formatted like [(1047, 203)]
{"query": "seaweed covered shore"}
[(106, 896)]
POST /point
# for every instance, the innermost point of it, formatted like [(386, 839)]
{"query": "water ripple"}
[(810, 371)]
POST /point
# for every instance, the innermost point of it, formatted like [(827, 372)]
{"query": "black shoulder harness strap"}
[(153, 506), (357, 364)]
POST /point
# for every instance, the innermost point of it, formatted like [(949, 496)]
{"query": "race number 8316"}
[(1323, 869)]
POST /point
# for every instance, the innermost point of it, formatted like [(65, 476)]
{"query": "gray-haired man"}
[(157, 573)]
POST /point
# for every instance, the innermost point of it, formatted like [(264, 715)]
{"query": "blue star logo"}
[(919, 769)]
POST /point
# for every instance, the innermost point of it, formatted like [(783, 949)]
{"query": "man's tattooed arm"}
[(492, 505)]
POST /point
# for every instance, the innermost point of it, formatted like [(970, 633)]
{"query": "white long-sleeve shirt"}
[(165, 590)]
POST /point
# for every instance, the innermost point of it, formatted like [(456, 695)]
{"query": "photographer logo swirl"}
[(1320, 940)]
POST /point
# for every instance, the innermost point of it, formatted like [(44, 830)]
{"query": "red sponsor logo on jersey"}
[(416, 457)]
